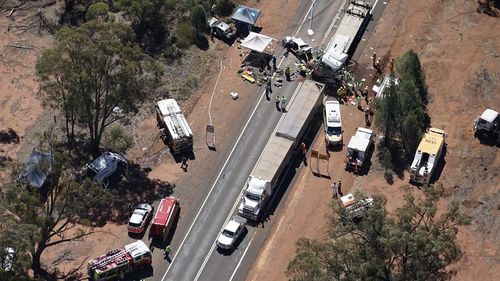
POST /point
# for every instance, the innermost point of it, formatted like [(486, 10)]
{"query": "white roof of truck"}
[(361, 140), (174, 119), (332, 110), (432, 141), (300, 110), (489, 115), (272, 157), (137, 248)]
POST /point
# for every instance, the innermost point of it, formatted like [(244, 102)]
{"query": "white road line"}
[(241, 259), (373, 7), (207, 257), (213, 186)]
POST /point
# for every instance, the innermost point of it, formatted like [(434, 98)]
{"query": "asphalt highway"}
[(195, 256)]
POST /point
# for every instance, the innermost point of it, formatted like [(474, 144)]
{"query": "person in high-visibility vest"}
[(283, 104)]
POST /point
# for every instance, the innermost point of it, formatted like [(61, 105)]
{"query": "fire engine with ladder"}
[(119, 262)]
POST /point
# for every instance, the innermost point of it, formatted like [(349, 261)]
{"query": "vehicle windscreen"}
[(131, 224), (334, 131), (252, 197), (228, 233)]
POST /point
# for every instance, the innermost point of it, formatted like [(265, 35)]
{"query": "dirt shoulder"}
[(459, 50)]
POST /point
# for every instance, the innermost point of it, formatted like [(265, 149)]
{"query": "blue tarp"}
[(246, 14), (36, 169)]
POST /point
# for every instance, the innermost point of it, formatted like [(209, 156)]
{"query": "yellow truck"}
[(427, 156)]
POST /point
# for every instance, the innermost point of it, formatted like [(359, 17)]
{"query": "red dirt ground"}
[(459, 51)]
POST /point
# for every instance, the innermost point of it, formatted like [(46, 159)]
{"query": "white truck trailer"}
[(174, 128), (279, 150), (341, 45), (427, 156), (357, 149)]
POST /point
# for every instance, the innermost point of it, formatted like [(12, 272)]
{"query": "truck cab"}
[(333, 123), (255, 195)]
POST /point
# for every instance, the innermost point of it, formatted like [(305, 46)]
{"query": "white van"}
[(333, 122)]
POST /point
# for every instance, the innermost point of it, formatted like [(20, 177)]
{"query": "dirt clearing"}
[(460, 52)]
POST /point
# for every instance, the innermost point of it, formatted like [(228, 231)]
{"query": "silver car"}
[(230, 234)]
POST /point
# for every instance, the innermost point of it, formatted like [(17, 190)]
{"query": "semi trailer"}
[(279, 150)]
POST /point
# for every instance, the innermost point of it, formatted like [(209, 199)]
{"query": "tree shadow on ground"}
[(134, 188), (202, 43), (9, 136)]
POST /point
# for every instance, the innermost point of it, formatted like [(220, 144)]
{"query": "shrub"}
[(224, 7), (192, 81), (98, 10), (185, 35), (199, 19), (118, 140)]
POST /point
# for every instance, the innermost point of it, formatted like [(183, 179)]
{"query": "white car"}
[(139, 219), (221, 29), (230, 234), (296, 45)]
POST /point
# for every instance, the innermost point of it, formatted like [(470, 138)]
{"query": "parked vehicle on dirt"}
[(333, 123), (358, 149), (105, 166), (221, 29), (487, 126), (138, 222), (167, 212), (279, 150), (117, 263), (230, 234), (174, 128), (297, 46), (355, 209), (427, 156)]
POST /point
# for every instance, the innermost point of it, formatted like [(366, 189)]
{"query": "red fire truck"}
[(165, 215), (118, 262)]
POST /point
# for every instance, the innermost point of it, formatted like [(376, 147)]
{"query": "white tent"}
[(256, 42)]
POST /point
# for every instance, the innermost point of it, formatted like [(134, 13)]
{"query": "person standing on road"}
[(335, 190), (287, 73), (167, 251), (268, 91), (278, 100), (283, 104), (274, 59)]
